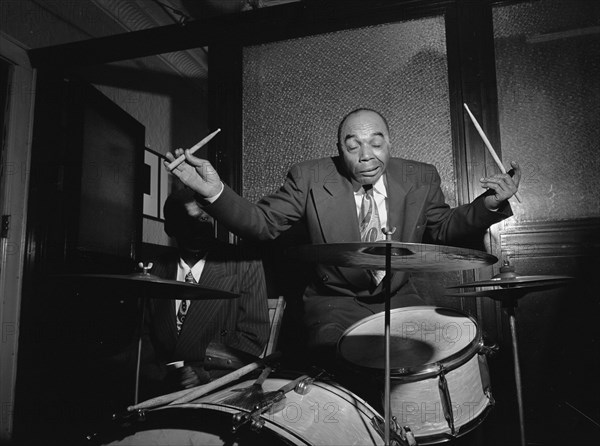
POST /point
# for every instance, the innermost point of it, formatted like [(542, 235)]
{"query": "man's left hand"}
[(504, 186), (192, 376)]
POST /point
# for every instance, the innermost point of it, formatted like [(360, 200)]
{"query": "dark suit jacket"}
[(319, 192), (241, 323)]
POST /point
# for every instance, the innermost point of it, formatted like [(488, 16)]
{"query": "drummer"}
[(190, 342), (349, 198)]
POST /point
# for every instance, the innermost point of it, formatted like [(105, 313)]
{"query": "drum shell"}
[(415, 396), (418, 404)]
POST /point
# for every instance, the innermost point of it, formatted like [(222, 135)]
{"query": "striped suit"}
[(240, 323)]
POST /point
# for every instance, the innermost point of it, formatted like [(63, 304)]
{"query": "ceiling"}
[(41, 23)]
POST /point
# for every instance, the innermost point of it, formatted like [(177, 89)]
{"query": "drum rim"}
[(428, 370), (367, 411), (276, 428)]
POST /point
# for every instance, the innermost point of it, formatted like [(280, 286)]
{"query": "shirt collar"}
[(378, 187), (196, 269)]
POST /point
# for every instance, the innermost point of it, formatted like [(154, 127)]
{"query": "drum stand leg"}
[(510, 310)]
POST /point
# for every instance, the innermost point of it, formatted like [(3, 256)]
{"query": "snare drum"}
[(325, 414), (440, 385)]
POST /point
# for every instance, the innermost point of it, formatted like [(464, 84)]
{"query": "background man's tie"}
[(185, 304), (370, 226)]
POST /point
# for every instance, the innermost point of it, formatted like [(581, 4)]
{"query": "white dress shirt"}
[(380, 195), (183, 269)]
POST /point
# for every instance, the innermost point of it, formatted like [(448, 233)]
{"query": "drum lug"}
[(129, 417), (304, 386), (257, 424), (488, 394), (489, 351), (446, 400), (399, 436)]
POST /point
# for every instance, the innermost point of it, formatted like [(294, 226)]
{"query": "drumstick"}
[(173, 164), (489, 146), (177, 397), (209, 387)]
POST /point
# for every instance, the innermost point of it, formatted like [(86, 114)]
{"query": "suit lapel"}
[(396, 192), (336, 211)]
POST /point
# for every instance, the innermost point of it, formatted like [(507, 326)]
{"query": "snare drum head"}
[(326, 414), (418, 336)]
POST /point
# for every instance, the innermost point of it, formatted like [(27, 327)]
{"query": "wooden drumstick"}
[(183, 396), (489, 146), (176, 162)]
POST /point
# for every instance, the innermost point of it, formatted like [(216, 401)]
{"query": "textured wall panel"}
[(297, 91), (548, 72)]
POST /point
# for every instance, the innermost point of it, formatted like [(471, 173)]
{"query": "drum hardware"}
[(304, 386), (250, 396), (399, 436), (489, 350), (509, 287), (270, 403), (123, 419), (446, 400)]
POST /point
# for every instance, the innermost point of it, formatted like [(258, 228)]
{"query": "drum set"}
[(430, 361)]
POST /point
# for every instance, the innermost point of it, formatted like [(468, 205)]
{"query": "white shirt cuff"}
[(215, 197)]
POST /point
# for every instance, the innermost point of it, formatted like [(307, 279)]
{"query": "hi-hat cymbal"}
[(147, 285), (515, 281), (410, 257)]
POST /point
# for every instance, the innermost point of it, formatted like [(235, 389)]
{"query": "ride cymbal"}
[(410, 257)]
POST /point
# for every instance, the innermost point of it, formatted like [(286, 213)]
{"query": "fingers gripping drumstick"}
[(173, 164), (489, 146)]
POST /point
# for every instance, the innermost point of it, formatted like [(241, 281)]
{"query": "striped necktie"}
[(370, 226), (185, 304)]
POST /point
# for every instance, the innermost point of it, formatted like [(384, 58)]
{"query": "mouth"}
[(370, 172)]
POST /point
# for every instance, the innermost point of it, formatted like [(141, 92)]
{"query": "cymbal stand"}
[(387, 287), (509, 305), (141, 334)]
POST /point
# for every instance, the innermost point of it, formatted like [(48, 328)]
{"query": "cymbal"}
[(410, 257), (504, 293), (516, 281), (148, 285)]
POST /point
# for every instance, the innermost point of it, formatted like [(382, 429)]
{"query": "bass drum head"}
[(190, 426), (419, 338)]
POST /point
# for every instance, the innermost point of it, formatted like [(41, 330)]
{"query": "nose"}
[(366, 153)]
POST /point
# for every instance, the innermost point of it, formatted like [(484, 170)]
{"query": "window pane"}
[(297, 91), (548, 73)]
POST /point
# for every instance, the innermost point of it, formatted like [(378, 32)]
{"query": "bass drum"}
[(326, 414), (440, 386)]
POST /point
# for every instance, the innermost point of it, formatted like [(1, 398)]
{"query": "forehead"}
[(363, 124)]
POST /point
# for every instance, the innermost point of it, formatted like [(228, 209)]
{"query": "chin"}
[(364, 181)]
